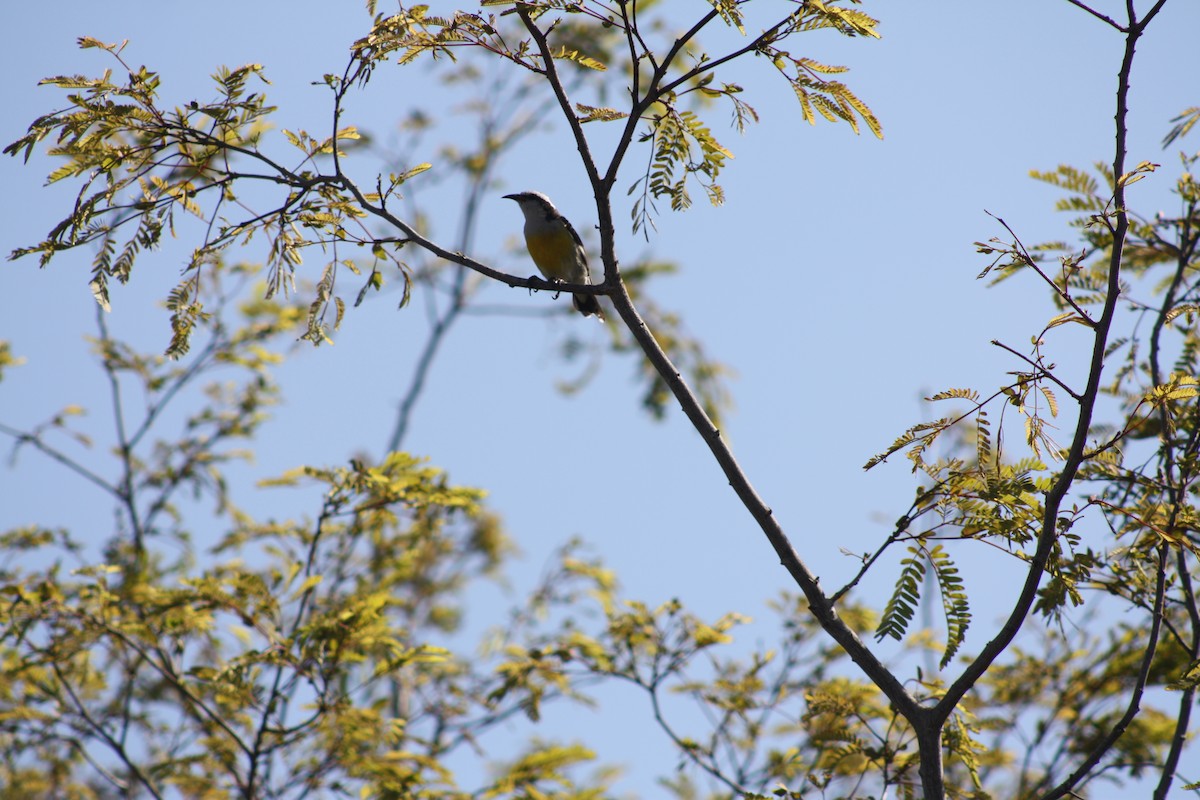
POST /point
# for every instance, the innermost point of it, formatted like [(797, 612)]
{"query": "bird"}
[(555, 247)]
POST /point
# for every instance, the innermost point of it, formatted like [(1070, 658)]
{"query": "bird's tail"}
[(587, 304)]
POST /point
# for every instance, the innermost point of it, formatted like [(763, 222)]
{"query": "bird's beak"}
[(510, 197)]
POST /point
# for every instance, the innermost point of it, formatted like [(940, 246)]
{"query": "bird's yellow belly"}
[(554, 255)]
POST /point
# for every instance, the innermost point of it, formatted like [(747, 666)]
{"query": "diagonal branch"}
[(1041, 369), (97, 728), (413, 237), (560, 93), (1062, 292), (820, 605), (1099, 16), (35, 440), (1066, 788), (822, 609), (1048, 536)]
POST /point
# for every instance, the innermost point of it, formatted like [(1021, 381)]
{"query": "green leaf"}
[(309, 583)]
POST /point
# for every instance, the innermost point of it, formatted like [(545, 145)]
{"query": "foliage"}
[(324, 656), (149, 163), (1143, 559), (296, 656)]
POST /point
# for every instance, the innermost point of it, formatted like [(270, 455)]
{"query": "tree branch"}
[(1041, 370), (1099, 16), (34, 439), (1104, 745), (552, 76), (1187, 698), (1078, 450), (809, 584)]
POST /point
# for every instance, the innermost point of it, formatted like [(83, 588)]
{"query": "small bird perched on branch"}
[(555, 247)]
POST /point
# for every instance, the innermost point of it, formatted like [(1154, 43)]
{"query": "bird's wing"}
[(571, 230), (582, 253)]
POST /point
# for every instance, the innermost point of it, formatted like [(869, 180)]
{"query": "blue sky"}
[(838, 281)]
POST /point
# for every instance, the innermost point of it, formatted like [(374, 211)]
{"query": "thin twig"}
[(35, 440), (1099, 16), (97, 727), (1041, 370), (1032, 264), (1104, 745), (1048, 536)]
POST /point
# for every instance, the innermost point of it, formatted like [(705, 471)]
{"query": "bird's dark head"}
[(533, 201)]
